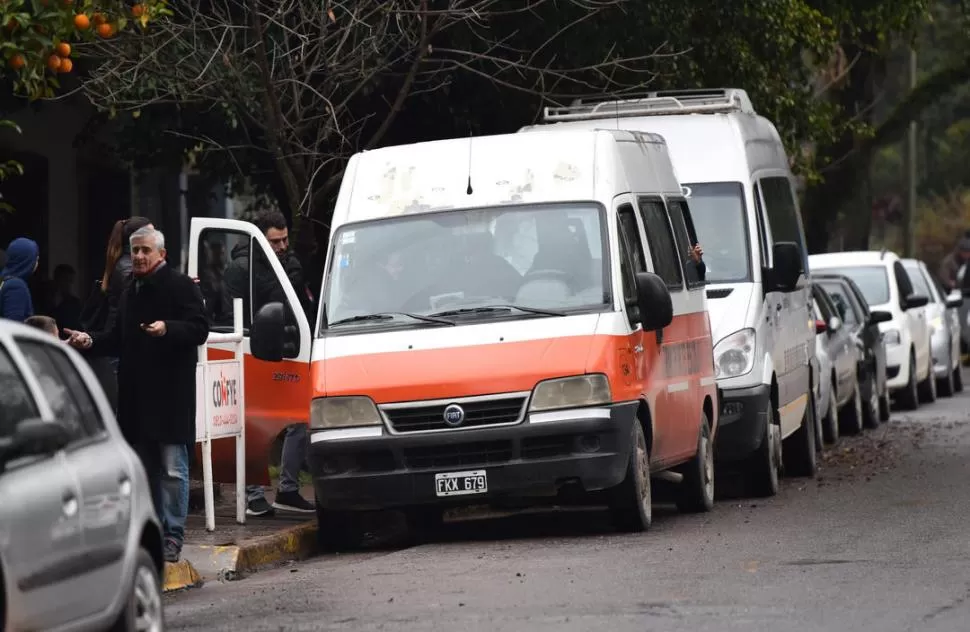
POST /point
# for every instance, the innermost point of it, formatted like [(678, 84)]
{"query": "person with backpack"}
[(23, 257)]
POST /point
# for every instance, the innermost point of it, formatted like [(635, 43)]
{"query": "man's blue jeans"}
[(175, 492)]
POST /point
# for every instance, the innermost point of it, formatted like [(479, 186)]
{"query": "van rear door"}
[(233, 259)]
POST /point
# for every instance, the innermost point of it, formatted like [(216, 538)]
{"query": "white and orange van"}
[(503, 319)]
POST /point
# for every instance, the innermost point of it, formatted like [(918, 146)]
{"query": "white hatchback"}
[(886, 286)]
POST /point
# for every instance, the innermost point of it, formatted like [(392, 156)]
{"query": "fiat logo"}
[(454, 415)]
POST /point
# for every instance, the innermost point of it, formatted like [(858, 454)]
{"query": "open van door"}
[(233, 259)]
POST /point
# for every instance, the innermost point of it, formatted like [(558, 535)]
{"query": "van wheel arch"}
[(708, 409), (151, 541), (645, 418)]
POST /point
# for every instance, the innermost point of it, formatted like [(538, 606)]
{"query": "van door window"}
[(631, 257), (663, 252), (686, 238), (762, 229), (782, 213)]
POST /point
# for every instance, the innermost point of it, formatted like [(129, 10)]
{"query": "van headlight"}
[(891, 337), (734, 354), (343, 412), (571, 392)]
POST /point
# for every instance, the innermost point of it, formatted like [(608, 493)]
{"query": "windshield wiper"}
[(363, 318), (491, 309)]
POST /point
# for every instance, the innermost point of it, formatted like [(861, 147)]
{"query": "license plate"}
[(461, 483)]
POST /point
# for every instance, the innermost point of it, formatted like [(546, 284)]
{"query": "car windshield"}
[(873, 282), (533, 261), (717, 209), (920, 286)]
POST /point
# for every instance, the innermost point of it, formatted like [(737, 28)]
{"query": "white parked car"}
[(943, 316), (887, 287), (80, 544)]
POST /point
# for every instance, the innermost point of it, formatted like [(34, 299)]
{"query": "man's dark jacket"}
[(266, 286), (156, 375)]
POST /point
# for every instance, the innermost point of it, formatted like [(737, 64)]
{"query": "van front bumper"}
[(743, 422), (583, 449)]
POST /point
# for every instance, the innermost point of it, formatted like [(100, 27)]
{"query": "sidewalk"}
[(233, 549)]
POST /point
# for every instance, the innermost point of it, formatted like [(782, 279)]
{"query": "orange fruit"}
[(106, 30), (54, 62), (82, 22), (138, 10), (66, 65), (17, 61), (63, 49), (99, 18)]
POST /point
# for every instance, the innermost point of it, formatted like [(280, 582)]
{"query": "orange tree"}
[(36, 36)]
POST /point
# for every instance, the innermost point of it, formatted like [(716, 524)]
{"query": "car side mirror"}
[(268, 333), (787, 266), (954, 299), (916, 300), (34, 437), (835, 324), (880, 316), (820, 326), (654, 302)]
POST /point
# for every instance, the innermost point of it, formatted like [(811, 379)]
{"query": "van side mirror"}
[(34, 437), (916, 300), (654, 302), (879, 316), (268, 333), (787, 266)]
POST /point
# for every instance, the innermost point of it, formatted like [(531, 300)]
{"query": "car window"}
[(873, 282), (663, 251), (686, 237), (16, 403), (72, 406), (920, 286), (842, 302), (783, 213)]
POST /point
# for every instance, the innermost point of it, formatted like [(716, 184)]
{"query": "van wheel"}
[(958, 379), (631, 502), (908, 398), (696, 492), (927, 388), (143, 608), (764, 468), (337, 531), (799, 449), (850, 417), (830, 425)]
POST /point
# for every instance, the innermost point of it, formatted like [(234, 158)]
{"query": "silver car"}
[(80, 544), (839, 354), (943, 318)]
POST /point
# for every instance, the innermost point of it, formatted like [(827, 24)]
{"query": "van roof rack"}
[(655, 103)]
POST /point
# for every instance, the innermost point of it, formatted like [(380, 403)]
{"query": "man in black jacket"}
[(266, 288), (159, 326)]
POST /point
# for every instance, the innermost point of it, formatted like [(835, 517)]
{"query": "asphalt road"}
[(880, 542)]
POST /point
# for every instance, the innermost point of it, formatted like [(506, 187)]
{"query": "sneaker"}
[(292, 501), (172, 551), (259, 507)]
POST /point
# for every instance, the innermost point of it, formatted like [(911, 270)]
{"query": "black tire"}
[(830, 424), (850, 416), (337, 531), (908, 397), (695, 494), (144, 597), (927, 388), (800, 458), (763, 469), (958, 378), (631, 502), (945, 386), (870, 404), (884, 407)]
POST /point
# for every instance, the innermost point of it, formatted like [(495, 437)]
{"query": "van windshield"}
[(417, 270), (717, 209)]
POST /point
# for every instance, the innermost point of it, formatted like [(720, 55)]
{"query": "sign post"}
[(221, 411)]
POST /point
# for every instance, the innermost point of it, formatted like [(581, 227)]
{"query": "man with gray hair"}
[(160, 324)]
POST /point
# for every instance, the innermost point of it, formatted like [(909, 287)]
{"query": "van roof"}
[(705, 130), (565, 166)]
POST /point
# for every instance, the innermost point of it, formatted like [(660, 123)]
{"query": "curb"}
[(181, 575), (230, 562)]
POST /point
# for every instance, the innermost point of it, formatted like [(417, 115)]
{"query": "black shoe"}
[(292, 501), (259, 507), (172, 551)]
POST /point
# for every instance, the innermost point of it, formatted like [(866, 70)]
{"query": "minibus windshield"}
[(450, 267), (717, 209)]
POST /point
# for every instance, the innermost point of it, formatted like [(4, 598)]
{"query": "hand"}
[(78, 339), (696, 253), (156, 329)]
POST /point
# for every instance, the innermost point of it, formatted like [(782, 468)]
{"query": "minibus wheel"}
[(764, 468), (695, 493), (631, 502)]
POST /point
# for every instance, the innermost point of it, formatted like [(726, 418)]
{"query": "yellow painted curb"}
[(181, 575), (291, 544)]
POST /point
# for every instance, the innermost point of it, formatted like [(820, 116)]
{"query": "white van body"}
[(732, 164)]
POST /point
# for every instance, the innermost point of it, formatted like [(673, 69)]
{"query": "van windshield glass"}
[(530, 261), (717, 209)]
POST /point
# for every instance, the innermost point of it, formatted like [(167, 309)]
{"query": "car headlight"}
[(343, 412), (571, 392), (891, 337), (734, 354)]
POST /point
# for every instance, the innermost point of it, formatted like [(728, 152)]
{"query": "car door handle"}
[(69, 504)]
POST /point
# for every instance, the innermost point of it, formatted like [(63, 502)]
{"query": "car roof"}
[(852, 258), (20, 330)]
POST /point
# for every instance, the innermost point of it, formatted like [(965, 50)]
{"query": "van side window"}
[(782, 213), (630, 263), (686, 238), (762, 231), (666, 261)]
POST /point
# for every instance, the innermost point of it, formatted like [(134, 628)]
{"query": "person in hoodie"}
[(953, 262), (22, 261)]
